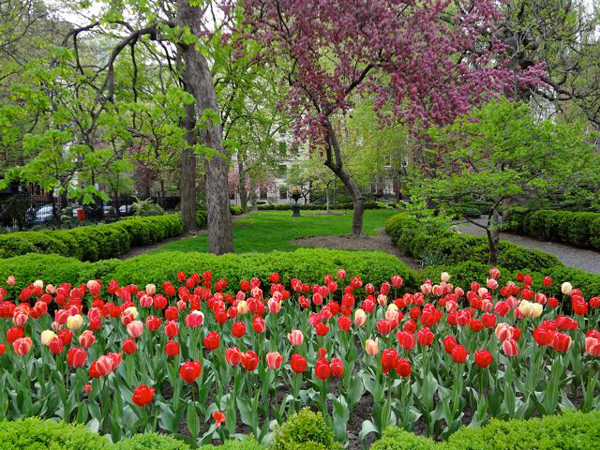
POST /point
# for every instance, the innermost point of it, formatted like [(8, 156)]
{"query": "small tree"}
[(501, 154)]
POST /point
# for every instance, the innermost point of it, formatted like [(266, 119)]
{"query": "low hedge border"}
[(288, 206), (570, 431), (454, 248), (309, 265), (580, 229), (96, 242)]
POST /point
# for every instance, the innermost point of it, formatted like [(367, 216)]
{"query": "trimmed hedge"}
[(249, 443), (37, 434), (94, 242), (310, 265), (580, 229), (570, 431), (151, 441), (288, 206), (454, 248)]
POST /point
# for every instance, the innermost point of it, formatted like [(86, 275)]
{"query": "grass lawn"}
[(264, 231)]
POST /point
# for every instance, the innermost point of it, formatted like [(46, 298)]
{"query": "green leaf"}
[(193, 422)]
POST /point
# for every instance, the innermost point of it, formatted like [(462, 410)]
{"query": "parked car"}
[(40, 214)]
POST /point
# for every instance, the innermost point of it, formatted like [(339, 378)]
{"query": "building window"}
[(282, 193), (263, 192)]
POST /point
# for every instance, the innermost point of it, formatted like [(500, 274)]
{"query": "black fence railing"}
[(22, 210)]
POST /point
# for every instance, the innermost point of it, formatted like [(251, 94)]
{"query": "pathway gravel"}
[(579, 258)]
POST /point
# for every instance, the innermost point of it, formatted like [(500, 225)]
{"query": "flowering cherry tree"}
[(422, 62)]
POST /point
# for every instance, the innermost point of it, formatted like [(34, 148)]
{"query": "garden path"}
[(579, 258), (380, 242)]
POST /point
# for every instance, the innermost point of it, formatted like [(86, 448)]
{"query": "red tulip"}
[(172, 349), (219, 418), (13, 334), (238, 329), (561, 342), (56, 346), (384, 326), (483, 358), (389, 358), (211, 341), (87, 339), (459, 354), (258, 325), (190, 371), (143, 395), (322, 369), (171, 329), (2, 348), (233, 356), (425, 336), (128, 346), (449, 343), (298, 363), (488, 320), (322, 329), (337, 367), (153, 323), (66, 336), (406, 340), (250, 361), (76, 357), (403, 368)]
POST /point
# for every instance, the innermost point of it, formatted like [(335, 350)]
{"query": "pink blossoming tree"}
[(423, 63)]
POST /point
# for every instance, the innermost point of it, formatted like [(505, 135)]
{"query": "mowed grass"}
[(264, 231)]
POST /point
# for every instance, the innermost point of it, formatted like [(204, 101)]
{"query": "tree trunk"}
[(187, 188), (199, 82), (335, 163), (252, 195), (327, 211), (242, 184), (493, 235)]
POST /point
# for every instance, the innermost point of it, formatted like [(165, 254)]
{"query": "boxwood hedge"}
[(94, 242), (310, 265), (454, 248), (580, 229)]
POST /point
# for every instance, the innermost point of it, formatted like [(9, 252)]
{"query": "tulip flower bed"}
[(203, 360)]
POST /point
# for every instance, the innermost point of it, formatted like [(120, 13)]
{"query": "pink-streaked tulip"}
[(194, 319), (87, 339), (503, 331), (510, 348), (296, 337), (22, 346), (360, 317), (274, 360), (135, 328)]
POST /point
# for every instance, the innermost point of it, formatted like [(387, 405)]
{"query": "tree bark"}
[(242, 184), (493, 235), (199, 82), (335, 163), (187, 186), (327, 210)]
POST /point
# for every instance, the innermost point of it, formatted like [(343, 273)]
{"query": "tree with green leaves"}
[(500, 153)]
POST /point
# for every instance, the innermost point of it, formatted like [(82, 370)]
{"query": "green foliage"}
[(581, 229), (147, 207), (305, 430), (53, 269), (94, 242), (570, 431), (452, 248), (395, 438), (288, 206), (151, 441), (36, 434), (248, 443), (235, 210), (309, 265), (201, 218)]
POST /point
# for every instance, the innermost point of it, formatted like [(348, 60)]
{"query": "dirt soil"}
[(380, 242)]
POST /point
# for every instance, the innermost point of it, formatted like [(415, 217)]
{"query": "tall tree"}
[(428, 61)]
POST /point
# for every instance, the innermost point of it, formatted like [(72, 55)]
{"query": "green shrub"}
[(94, 242), (151, 441), (37, 434), (570, 431), (454, 248), (249, 443), (236, 210), (395, 438), (201, 218), (304, 430), (309, 265), (53, 269)]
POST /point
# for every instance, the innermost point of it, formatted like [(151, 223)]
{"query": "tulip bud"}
[(74, 322), (566, 288), (445, 277), (360, 317), (296, 337), (47, 336), (372, 346), (10, 281)]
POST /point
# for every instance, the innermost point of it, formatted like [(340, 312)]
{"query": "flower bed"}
[(201, 358)]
